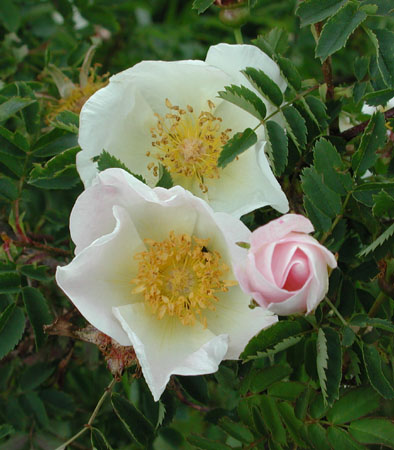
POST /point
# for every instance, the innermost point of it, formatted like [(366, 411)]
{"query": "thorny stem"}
[(238, 36), (28, 243), (339, 315), (185, 401), (349, 134), (107, 390), (326, 68)]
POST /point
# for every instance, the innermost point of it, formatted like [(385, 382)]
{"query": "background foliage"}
[(322, 381)]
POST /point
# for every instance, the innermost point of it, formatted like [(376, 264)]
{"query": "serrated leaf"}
[(16, 139), (328, 163), (380, 97), (272, 419), (236, 430), (337, 30), (354, 404), (339, 438), (373, 138), (30, 114), (269, 338), (277, 146), (38, 312), (107, 161), (35, 375), (329, 363), (58, 173), (317, 436), (268, 376), (35, 272), (322, 197), (362, 320), (378, 242), (134, 421), (12, 106), (286, 390), (206, 444), (373, 366), (165, 178), (294, 426), (8, 188), (289, 72), (320, 220), (9, 282), (295, 126), (12, 327), (67, 121), (202, 5), (316, 110), (383, 205), (98, 440), (364, 193), (312, 11), (264, 85), (373, 431), (35, 405), (245, 99), (273, 43), (385, 57), (236, 145)]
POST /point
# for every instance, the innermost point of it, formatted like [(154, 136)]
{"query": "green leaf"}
[(54, 142), (312, 11), (317, 436), (289, 72), (57, 173), (286, 390), (269, 338), (329, 363), (196, 387), (12, 106), (16, 139), (362, 320), (378, 242), (10, 15), (10, 282), (38, 312), (337, 30), (373, 138), (236, 430), (165, 179), (365, 193), (35, 375), (361, 64), (277, 146), (8, 188), (353, 404), (236, 145), (245, 99), (384, 205), (328, 163), (264, 85), (107, 161), (373, 366), (134, 421), (273, 43), (294, 426), (5, 430), (319, 219), (30, 114), (322, 197), (98, 440), (316, 110), (67, 121), (385, 57), (295, 126), (34, 404), (268, 376), (206, 444), (202, 5), (12, 325), (339, 439), (373, 431), (379, 97), (35, 272), (272, 419)]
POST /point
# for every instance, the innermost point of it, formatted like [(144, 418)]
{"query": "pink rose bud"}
[(286, 270)]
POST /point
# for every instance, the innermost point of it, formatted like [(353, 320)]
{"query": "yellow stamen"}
[(180, 277), (189, 145)]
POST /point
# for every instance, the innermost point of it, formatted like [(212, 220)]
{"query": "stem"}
[(339, 315), (34, 244), (377, 303), (107, 390), (238, 36), (351, 133), (336, 220)]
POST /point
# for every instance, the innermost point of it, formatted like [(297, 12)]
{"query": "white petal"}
[(234, 317), (98, 278), (165, 347), (236, 194)]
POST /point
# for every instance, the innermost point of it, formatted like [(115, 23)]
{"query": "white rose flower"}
[(168, 113), (154, 269)]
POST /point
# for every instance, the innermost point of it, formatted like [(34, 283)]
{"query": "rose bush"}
[(286, 269), (168, 113), (153, 269)]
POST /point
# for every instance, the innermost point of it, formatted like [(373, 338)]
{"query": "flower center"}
[(188, 144), (180, 277)]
